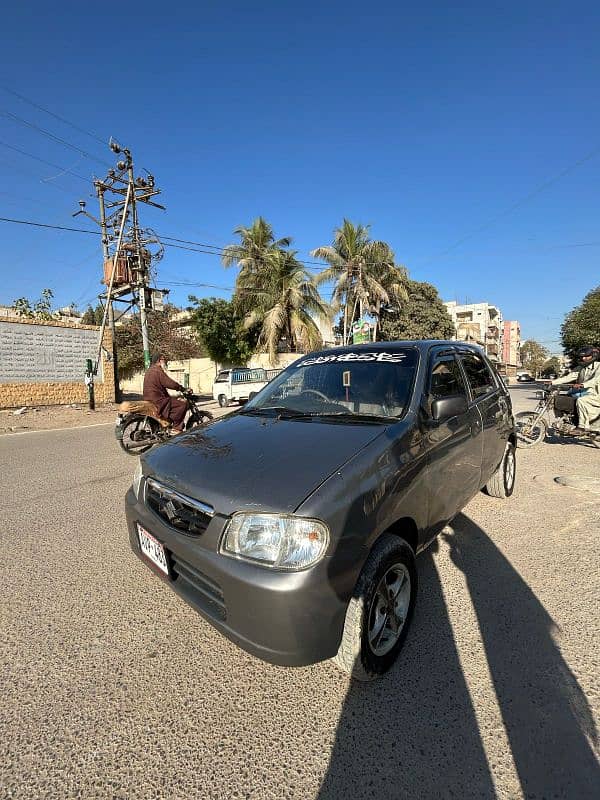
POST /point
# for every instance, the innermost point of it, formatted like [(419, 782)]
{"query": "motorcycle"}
[(533, 426), (139, 426)]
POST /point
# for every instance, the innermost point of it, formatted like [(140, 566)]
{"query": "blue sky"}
[(466, 134)]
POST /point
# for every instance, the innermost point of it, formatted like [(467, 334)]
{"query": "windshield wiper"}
[(354, 416), (282, 411), (285, 412)]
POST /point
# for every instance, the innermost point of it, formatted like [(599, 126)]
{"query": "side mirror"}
[(447, 407)]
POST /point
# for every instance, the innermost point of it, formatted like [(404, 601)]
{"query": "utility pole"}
[(126, 246), (111, 311)]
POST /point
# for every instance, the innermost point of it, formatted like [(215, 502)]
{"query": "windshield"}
[(362, 383)]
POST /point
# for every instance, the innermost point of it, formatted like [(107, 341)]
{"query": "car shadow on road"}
[(414, 733), (547, 717)]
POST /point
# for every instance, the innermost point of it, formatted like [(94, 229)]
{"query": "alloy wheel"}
[(389, 609)]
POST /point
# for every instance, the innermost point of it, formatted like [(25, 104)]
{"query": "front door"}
[(455, 445), (491, 401)]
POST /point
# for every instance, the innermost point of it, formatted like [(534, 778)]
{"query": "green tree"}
[(533, 356), (275, 297), (582, 325), (93, 316), (22, 307), (422, 316), (364, 271), (165, 336), (282, 301), (220, 331), (41, 309), (256, 242), (551, 367)]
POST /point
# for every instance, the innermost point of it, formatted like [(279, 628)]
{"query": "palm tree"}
[(364, 271), (255, 243), (282, 298)]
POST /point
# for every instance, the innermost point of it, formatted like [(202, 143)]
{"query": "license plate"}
[(153, 549)]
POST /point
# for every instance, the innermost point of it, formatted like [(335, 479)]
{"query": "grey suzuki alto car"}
[(292, 525)]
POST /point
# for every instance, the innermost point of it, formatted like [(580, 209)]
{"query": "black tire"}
[(502, 482), (135, 430), (223, 401), (356, 654), (529, 435), (197, 420)]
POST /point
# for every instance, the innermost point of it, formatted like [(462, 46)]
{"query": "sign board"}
[(361, 332), (45, 353)]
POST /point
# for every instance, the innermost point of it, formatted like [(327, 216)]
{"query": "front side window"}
[(446, 379), (222, 377), (479, 376), (362, 383)]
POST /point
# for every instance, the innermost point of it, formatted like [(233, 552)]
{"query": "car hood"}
[(247, 462)]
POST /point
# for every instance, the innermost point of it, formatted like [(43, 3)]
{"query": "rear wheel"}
[(530, 430), (502, 482), (223, 401), (380, 610), (139, 434)]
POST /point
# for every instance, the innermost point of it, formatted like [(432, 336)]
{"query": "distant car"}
[(525, 377), (292, 525), (240, 384)]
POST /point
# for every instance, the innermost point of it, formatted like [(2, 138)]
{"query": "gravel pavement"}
[(114, 688)]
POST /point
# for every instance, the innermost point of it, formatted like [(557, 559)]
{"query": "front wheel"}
[(138, 435), (223, 401), (531, 430), (198, 419), (502, 482), (380, 610)]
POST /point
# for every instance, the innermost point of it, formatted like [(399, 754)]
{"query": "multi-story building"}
[(511, 344), (479, 323)]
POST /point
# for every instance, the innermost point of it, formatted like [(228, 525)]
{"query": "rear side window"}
[(479, 376), (446, 379)]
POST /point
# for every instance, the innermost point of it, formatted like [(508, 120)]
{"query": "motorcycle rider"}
[(156, 383), (585, 386)]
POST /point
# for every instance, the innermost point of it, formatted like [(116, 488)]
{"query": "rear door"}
[(455, 446), (490, 399)]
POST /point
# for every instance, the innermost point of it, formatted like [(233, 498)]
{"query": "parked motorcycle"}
[(555, 414), (139, 426)]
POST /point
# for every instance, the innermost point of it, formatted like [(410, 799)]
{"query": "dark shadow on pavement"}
[(413, 733), (547, 717)]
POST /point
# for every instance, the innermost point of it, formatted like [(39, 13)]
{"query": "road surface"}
[(114, 688)]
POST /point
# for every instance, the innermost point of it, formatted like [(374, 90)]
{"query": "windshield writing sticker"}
[(381, 358)]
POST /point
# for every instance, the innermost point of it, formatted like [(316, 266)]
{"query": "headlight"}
[(276, 540), (137, 480)]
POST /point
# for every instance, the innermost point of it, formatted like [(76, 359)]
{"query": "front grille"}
[(204, 591), (180, 512)]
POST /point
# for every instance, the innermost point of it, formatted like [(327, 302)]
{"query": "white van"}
[(240, 383)]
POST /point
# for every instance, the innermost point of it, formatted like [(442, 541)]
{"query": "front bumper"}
[(287, 618)]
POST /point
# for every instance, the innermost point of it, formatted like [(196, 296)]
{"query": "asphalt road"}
[(113, 688)]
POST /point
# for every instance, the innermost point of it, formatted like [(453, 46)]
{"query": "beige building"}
[(480, 324), (511, 343)]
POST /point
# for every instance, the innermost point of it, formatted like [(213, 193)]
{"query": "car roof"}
[(423, 345)]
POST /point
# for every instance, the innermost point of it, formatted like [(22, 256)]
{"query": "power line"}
[(21, 171), (525, 199), (97, 233), (45, 225), (52, 136), (43, 161), (52, 114)]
